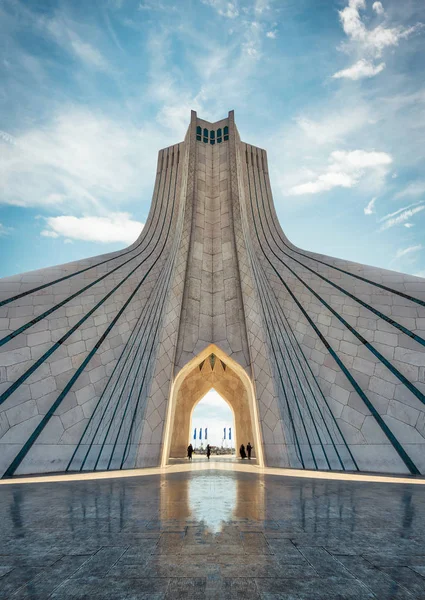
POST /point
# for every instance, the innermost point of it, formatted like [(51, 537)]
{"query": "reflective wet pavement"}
[(212, 534)]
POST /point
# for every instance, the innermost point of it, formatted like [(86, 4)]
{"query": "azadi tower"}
[(102, 360)]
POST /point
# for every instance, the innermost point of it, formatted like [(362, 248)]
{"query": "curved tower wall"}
[(89, 350)]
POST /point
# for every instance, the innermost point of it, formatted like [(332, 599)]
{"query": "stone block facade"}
[(89, 350)]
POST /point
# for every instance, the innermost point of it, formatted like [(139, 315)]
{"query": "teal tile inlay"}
[(374, 283), (65, 277), (393, 440), (265, 285), (31, 440), (14, 386)]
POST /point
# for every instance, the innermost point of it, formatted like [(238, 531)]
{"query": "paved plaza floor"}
[(212, 533)]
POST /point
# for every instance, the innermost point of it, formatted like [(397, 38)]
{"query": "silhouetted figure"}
[(249, 450), (208, 451), (242, 451), (189, 451)]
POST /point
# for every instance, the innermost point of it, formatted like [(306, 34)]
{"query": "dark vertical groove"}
[(280, 313), (398, 326), (158, 309), (143, 234), (141, 322), (14, 386), (367, 344), (395, 443), (145, 308), (295, 396), (359, 277), (30, 442), (283, 385), (173, 256), (281, 353)]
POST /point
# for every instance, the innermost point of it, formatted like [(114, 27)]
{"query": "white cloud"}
[(223, 8), (400, 216), (370, 208), (403, 251), (378, 8), (272, 34), (408, 225), (370, 43), (417, 188), (116, 227), (372, 40), (49, 233), (261, 6), (5, 230), (88, 54), (332, 128), (360, 70), (80, 160), (345, 169), (65, 35)]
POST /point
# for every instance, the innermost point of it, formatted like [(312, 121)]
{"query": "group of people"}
[(190, 451), (248, 451), (244, 453)]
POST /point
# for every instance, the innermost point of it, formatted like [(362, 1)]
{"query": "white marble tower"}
[(102, 360)]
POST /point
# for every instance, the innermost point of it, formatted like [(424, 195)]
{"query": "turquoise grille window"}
[(205, 135)]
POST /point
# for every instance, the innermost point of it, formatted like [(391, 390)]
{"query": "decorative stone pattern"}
[(89, 350)]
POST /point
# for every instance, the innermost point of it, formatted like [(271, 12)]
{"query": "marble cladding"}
[(335, 350)]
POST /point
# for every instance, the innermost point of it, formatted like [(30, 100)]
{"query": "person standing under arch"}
[(249, 450), (208, 451), (189, 451), (242, 451)]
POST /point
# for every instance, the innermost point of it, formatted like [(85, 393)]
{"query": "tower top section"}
[(211, 124), (211, 132)]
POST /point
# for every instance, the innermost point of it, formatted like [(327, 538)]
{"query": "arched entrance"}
[(212, 368)]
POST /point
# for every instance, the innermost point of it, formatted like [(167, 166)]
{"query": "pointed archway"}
[(212, 368)]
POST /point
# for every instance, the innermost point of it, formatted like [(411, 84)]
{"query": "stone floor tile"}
[(255, 543), (419, 569), (101, 562), (5, 570), (331, 588), (49, 579), (13, 580), (183, 588), (378, 582), (94, 588), (409, 579), (324, 563), (273, 538)]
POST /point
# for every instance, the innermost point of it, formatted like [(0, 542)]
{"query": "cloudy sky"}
[(215, 414), (333, 89)]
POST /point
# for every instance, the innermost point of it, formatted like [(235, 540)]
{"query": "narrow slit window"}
[(205, 140), (199, 133), (226, 133), (212, 137)]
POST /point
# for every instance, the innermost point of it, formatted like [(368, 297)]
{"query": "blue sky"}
[(333, 89)]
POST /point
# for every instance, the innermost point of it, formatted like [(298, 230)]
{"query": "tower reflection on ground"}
[(212, 532)]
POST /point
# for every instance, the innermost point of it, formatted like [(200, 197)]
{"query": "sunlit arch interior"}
[(212, 368)]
